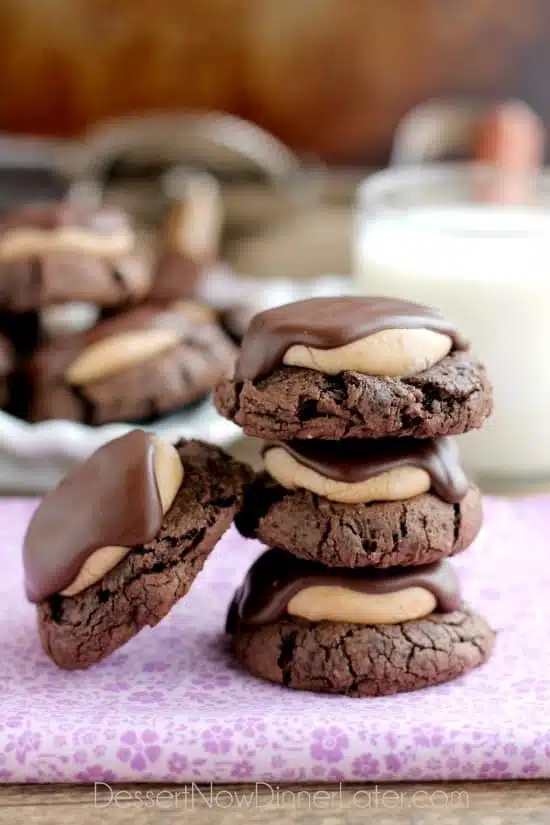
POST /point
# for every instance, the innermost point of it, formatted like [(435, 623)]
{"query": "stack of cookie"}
[(362, 498)]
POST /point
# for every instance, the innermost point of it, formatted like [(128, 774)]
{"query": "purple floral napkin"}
[(172, 705)]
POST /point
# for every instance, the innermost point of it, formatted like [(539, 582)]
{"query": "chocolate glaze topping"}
[(357, 460), (111, 499), (327, 323), (277, 576), (63, 216)]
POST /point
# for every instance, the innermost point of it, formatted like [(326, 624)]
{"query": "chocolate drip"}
[(277, 576), (355, 460), (327, 323), (110, 500)]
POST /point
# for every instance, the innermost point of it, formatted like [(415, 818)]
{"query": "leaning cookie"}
[(305, 627), (378, 503), (331, 368), (121, 540), (63, 253), (132, 367)]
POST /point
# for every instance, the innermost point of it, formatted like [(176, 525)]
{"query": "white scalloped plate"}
[(34, 457)]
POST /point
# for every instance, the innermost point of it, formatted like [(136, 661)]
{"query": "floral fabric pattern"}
[(172, 705)]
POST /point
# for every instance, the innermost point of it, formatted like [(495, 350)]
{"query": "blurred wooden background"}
[(330, 77)]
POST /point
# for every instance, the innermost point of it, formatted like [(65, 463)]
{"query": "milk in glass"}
[(487, 267)]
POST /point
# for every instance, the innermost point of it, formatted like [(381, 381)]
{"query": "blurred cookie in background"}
[(135, 366), (69, 252), (191, 241), (188, 264)]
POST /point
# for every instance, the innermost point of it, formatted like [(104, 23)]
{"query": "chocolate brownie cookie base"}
[(79, 631), (357, 660), (157, 386), (420, 530), (450, 398)]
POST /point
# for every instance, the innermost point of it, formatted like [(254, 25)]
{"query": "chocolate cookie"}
[(357, 660), (128, 498), (64, 252), (420, 530), (358, 632), (449, 398), (135, 366), (278, 584)]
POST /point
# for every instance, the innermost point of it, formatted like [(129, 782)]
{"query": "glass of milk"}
[(474, 242)]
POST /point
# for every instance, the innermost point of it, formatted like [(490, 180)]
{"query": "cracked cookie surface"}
[(79, 631), (360, 660), (420, 530), (450, 398)]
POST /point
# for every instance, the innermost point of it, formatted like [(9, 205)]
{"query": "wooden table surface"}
[(471, 803)]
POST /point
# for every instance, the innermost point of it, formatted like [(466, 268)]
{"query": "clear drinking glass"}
[(475, 242)]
